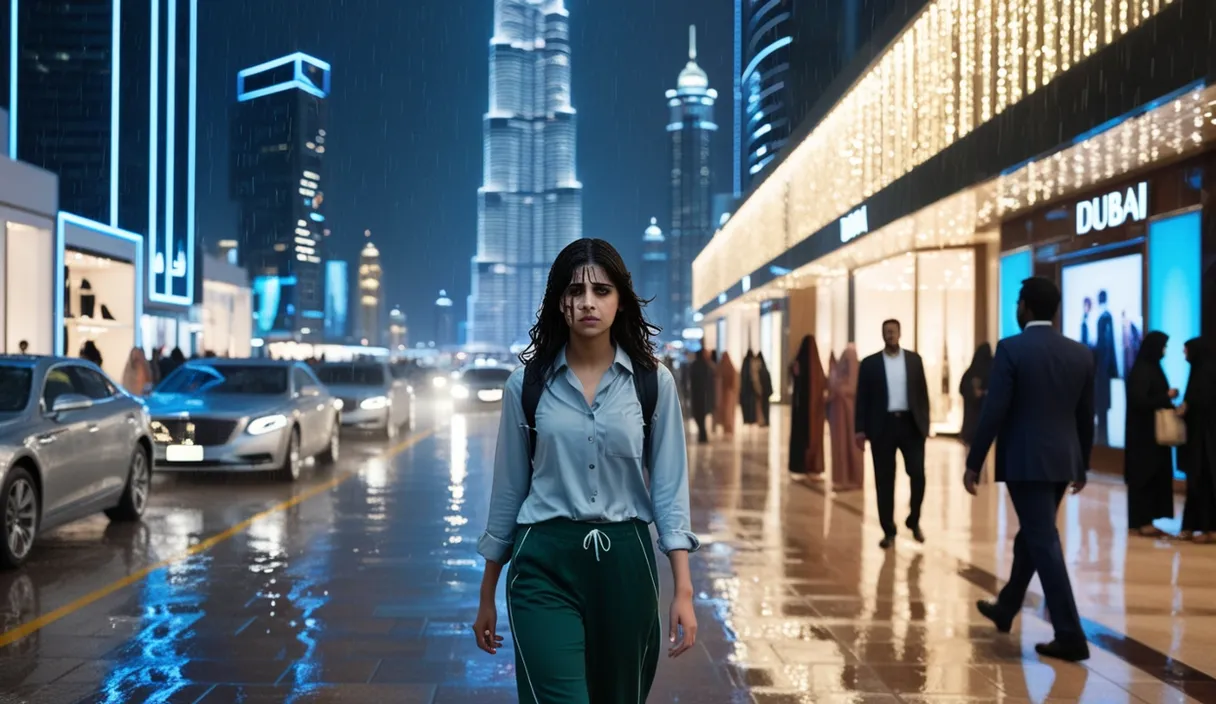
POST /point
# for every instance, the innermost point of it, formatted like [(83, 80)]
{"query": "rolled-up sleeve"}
[(669, 470), (512, 475)]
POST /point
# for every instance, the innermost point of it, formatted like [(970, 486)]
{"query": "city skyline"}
[(407, 167)]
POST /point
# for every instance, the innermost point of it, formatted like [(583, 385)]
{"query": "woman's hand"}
[(1173, 394), (1182, 409), (485, 628), (683, 624)]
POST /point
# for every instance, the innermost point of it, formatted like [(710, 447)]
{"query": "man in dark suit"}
[(892, 412), (1040, 411)]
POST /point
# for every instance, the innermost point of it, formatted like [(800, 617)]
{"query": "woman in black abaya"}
[(1148, 468), (973, 387), (1198, 456)]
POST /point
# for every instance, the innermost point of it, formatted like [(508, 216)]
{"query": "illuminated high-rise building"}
[(445, 326), (530, 203), (371, 297), (278, 151), (691, 126), (398, 331), (787, 53), (653, 281), (104, 94)]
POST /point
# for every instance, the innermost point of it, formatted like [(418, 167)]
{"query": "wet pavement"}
[(357, 584)]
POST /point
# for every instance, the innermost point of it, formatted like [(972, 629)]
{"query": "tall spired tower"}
[(530, 204)]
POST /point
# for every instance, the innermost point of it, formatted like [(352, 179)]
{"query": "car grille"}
[(200, 431), (350, 404)]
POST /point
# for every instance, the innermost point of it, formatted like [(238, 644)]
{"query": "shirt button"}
[(591, 466), (590, 439), (592, 499)]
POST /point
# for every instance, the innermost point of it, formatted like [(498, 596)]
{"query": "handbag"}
[(1171, 428)]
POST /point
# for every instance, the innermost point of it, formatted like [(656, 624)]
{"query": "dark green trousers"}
[(583, 604)]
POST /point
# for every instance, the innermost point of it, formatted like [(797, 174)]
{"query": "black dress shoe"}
[(992, 612), (1071, 653), (887, 542), (917, 535)]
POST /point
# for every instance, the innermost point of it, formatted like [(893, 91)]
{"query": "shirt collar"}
[(622, 360), (1037, 324)]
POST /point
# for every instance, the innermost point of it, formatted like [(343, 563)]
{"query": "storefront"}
[(227, 310), (1129, 257), (28, 201), (99, 290)]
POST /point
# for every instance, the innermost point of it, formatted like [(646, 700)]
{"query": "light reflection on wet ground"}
[(364, 593)]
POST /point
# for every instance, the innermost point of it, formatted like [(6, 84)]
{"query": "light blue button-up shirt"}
[(588, 462)]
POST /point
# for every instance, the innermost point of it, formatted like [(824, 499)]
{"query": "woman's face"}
[(590, 302), (1186, 351)]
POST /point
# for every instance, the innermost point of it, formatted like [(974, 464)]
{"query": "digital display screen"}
[(1103, 308)]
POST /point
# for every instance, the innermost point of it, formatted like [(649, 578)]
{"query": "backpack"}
[(645, 383)]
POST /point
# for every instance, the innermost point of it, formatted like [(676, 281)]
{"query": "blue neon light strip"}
[(154, 131), (115, 109), (12, 81), (62, 221), (282, 61), (170, 148), (764, 53), (279, 88), (190, 151)]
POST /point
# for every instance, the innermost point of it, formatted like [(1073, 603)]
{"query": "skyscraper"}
[(445, 330), (653, 284), (782, 68), (371, 297), (103, 94), (530, 205), (691, 125), (278, 148)]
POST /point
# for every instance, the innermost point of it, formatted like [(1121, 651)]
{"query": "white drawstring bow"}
[(599, 539)]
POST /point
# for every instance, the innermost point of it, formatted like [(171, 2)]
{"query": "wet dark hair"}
[(630, 330), (892, 321)]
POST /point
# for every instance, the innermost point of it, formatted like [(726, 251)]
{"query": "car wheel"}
[(331, 453), (290, 471), (135, 495), (20, 508)]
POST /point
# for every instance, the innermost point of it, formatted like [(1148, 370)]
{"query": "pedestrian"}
[(590, 451), (808, 411), (973, 387), (727, 396), (701, 392), (1040, 411), (892, 413), (1148, 467), (1198, 456), (137, 374), (90, 352), (848, 460), (23, 347)]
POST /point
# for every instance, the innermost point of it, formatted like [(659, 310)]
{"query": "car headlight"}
[(160, 433), (338, 405), (460, 391), (439, 382), (266, 424), (375, 403)]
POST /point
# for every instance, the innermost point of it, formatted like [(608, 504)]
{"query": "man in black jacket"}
[(1040, 411), (892, 413)]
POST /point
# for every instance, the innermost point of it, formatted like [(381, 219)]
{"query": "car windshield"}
[(486, 375), (352, 374), (258, 380), (15, 385)]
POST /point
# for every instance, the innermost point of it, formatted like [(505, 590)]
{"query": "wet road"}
[(358, 585)]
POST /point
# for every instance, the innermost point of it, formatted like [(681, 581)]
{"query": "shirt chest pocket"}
[(623, 434)]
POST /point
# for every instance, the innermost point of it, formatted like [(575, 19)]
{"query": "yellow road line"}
[(30, 627)]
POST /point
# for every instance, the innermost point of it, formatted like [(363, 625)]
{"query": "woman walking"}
[(137, 374), (848, 461), (1148, 468), (585, 418), (727, 394)]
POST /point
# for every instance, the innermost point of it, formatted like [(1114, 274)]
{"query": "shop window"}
[(945, 330), (1015, 268)]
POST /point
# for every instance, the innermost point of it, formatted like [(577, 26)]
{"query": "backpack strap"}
[(646, 383), (534, 386)]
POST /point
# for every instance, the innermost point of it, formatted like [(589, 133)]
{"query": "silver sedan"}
[(372, 398), (71, 444), (244, 415)]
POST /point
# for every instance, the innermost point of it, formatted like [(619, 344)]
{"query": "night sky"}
[(409, 87)]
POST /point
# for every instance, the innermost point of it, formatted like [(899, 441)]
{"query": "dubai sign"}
[(1113, 209), (854, 225)]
